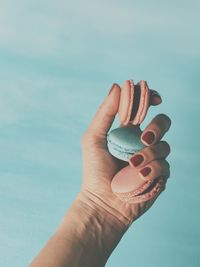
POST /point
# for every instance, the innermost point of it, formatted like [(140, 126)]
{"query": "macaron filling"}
[(136, 101)]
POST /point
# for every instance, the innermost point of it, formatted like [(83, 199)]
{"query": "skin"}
[(97, 219)]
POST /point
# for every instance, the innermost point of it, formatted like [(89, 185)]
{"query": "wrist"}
[(96, 230), (105, 209)]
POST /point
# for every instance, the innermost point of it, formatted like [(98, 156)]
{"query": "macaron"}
[(124, 141), (128, 186), (134, 102)]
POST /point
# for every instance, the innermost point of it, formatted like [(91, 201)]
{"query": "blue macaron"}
[(124, 141)]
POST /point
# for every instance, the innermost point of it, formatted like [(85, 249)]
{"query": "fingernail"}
[(113, 86), (136, 160), (146, 171), (148, 137)]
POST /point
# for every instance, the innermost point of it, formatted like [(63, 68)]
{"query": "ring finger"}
[(158, 151), (155, 169)]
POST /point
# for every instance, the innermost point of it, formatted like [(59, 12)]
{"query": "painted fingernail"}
[(136, 160), (112, 88), (148, 137), (146, 171)]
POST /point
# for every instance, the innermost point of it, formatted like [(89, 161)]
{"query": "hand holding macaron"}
[(125, 170), (138, 182)]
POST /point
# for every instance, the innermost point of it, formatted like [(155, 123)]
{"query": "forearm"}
[(86, 237)]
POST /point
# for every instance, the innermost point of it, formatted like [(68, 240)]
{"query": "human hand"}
[(99, 166)]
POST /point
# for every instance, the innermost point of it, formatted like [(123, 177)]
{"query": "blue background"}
[(58, 59)]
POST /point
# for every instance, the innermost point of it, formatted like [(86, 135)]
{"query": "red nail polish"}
[(136, 160), (113, 86), (146, 171), (148, 137)]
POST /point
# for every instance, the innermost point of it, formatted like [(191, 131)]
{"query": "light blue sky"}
[(58, 60)]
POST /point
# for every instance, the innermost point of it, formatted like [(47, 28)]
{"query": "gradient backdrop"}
[(58, 59)]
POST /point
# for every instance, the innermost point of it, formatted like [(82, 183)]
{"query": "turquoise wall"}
[(58, 59)]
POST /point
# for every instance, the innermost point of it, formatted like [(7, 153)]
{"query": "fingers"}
[(155, 169), (156, 129), (151, 161), (105, 115), (158, 151)]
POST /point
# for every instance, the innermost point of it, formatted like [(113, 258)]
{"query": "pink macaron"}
[(135, 100)]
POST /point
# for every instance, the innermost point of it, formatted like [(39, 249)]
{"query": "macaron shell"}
[(126, 102), (125, 156), (129, 187), (144, 103), (124, 141), (128, 180), (131, 197)]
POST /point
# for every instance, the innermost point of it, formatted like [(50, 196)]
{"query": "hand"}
[(99, 166), (97, 220)]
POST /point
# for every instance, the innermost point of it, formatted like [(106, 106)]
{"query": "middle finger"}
[(158, 151)]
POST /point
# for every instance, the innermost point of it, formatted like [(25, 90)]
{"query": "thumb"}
[(103, 119)]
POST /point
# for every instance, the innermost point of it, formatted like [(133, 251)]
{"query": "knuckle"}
[(160, 116), (167, 165), (151, 152), (161, 166), (165, 146), (90, 139), (164, 118), (167, 118), (157, 166)]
